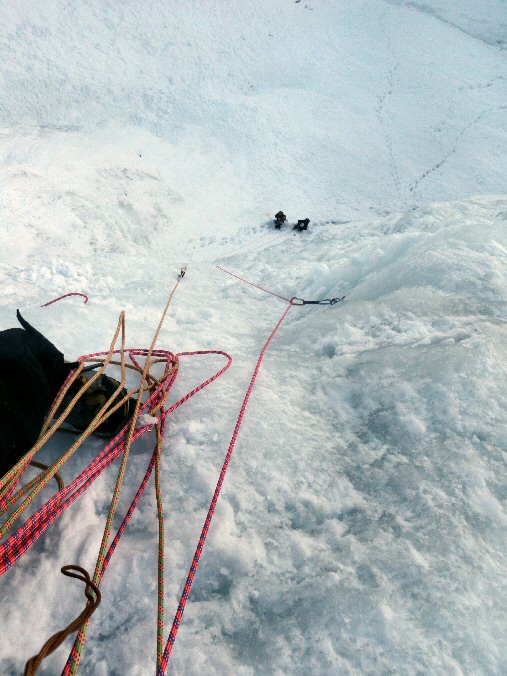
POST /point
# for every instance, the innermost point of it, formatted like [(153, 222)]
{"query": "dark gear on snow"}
[(280, 219), (32, 371), (302, 224)]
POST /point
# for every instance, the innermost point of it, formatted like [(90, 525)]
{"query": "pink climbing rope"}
[(21, 541), (26, 536), (252, 284), (204, 533), (74, 293)]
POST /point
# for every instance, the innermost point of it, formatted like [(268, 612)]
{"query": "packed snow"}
[(362, 524)]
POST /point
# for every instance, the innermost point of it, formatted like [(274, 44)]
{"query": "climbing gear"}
[(155, 405), (102, 561), (204, 533), (324, 301), (157, 391), (293, 301), (13, 476), (252, 284)]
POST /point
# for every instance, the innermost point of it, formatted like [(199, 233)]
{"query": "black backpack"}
[(32, 370), (90, 403)]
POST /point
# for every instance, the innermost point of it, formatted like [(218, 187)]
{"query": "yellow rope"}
[(36, 485), (82, 635)]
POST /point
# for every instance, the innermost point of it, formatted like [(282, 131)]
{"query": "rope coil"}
[(157, 393)]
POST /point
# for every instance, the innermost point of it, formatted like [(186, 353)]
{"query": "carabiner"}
[(297, 301)]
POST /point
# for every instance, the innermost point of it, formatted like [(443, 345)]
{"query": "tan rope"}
[(99, 566), (152, 382), (41, 465), (93, 597), (148, 382)]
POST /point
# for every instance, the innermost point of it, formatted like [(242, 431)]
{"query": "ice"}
[(361, 527)]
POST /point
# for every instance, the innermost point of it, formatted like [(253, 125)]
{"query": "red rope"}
[(74, 293), (21, 541), (204, 533), (26, 536), (252, 284)]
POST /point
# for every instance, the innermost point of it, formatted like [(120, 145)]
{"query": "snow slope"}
[(361, 527)]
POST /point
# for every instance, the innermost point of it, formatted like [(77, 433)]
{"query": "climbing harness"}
[(157, 392)]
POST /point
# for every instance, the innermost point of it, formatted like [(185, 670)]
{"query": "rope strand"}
[(74, 293), (211, 510), (93, 597), (272, 293)]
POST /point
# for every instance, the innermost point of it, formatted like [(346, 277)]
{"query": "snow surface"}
[(362, 524)]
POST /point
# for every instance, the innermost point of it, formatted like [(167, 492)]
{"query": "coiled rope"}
[(21, 541), (28, 534)]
